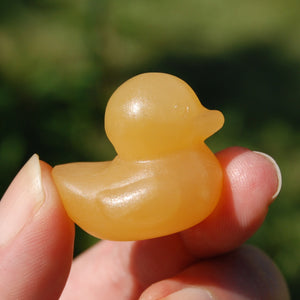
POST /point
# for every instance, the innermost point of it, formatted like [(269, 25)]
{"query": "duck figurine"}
[(164, 178)]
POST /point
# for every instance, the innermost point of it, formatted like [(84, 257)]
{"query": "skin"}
[(37, 262)]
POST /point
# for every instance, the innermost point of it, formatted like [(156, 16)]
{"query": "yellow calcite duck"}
[(164, 178)]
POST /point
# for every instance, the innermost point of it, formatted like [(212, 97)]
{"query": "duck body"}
[(134, 200)]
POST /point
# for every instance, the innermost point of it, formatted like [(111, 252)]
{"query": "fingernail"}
[(190, 293), (278, 172), (22, 200)]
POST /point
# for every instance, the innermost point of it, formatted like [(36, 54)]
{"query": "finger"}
[(132, 266), (36, 236), (246, 273), (122, 270), (251, 182)]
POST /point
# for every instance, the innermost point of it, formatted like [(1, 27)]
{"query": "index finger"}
[(252, 180)]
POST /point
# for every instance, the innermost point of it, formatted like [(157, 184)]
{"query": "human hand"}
[(203, 262)]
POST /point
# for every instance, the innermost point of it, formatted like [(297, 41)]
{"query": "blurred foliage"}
[(61, 60)]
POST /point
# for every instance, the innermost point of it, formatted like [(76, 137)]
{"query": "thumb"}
[(36, 236)]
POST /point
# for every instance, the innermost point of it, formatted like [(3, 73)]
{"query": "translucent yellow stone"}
[(164, 178)]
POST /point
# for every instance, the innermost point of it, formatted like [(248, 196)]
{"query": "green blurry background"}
[(61, 60)]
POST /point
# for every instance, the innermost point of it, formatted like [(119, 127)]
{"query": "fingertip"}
[(21, 201), (271, 161), (252, 168)]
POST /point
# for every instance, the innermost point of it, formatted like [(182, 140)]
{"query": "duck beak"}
[(208, 122)]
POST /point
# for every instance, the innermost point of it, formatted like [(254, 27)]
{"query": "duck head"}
[(155, 114)]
